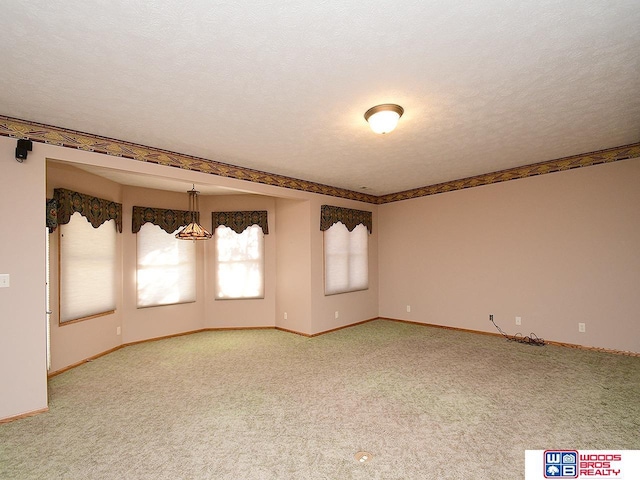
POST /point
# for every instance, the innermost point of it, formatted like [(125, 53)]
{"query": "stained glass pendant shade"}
[(193, 231)]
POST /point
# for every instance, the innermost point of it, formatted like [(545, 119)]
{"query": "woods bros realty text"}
[(602, 465)]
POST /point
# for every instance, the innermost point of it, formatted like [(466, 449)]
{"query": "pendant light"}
[(193, 231), (383, 118)]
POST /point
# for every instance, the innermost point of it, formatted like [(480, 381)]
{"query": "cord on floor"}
[(531, 339)]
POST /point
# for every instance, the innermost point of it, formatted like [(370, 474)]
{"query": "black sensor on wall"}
[(24, 146)]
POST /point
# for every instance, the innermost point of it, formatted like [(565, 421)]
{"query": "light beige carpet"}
[(427, 403)]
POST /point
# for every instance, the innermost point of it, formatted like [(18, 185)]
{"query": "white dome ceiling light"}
[(383, 118)]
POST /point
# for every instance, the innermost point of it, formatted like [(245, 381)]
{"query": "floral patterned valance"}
[(239, 221), (96, 210), (168, 220), (52, 214), (348, 216)]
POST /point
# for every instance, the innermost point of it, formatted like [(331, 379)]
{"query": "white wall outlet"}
[(582, 327), (337, 314), (118, 330), (4, 280), (285, 315), (408, 308), (518, 320)]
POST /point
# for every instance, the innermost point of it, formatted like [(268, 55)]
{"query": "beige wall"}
[(293, 283), (23, 366), (555, 250)]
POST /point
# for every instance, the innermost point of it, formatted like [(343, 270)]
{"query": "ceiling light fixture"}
[(383, 118), (193, 231)]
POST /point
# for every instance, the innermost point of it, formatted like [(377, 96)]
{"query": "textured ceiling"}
[(282, 86)]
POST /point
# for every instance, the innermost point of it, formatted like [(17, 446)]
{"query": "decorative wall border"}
[(37, 132), (550, 166)]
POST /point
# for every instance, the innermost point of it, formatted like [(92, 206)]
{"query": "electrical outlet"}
[(285, 315), (408, 308), (490, 317), (518, 320), (337, 314), (5, 280), (582, 327), (118, 330)]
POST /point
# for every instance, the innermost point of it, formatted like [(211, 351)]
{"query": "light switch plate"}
[(4, 280)]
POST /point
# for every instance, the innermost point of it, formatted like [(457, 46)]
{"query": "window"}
[(166, 268), (346, 259), (239, 263), (87, 268)]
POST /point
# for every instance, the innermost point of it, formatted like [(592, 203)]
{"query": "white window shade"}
[(239, 263), (166, 268), (346, 259), (87, 268)]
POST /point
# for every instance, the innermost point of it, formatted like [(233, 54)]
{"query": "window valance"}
[(96, 210), (348, 216), (239, 221), (168, 220), (52, 214)]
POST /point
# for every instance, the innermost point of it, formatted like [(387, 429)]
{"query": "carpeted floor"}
[(426, 403)]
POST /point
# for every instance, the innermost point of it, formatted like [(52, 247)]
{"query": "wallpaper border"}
[(551, 166), (37, 132)]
